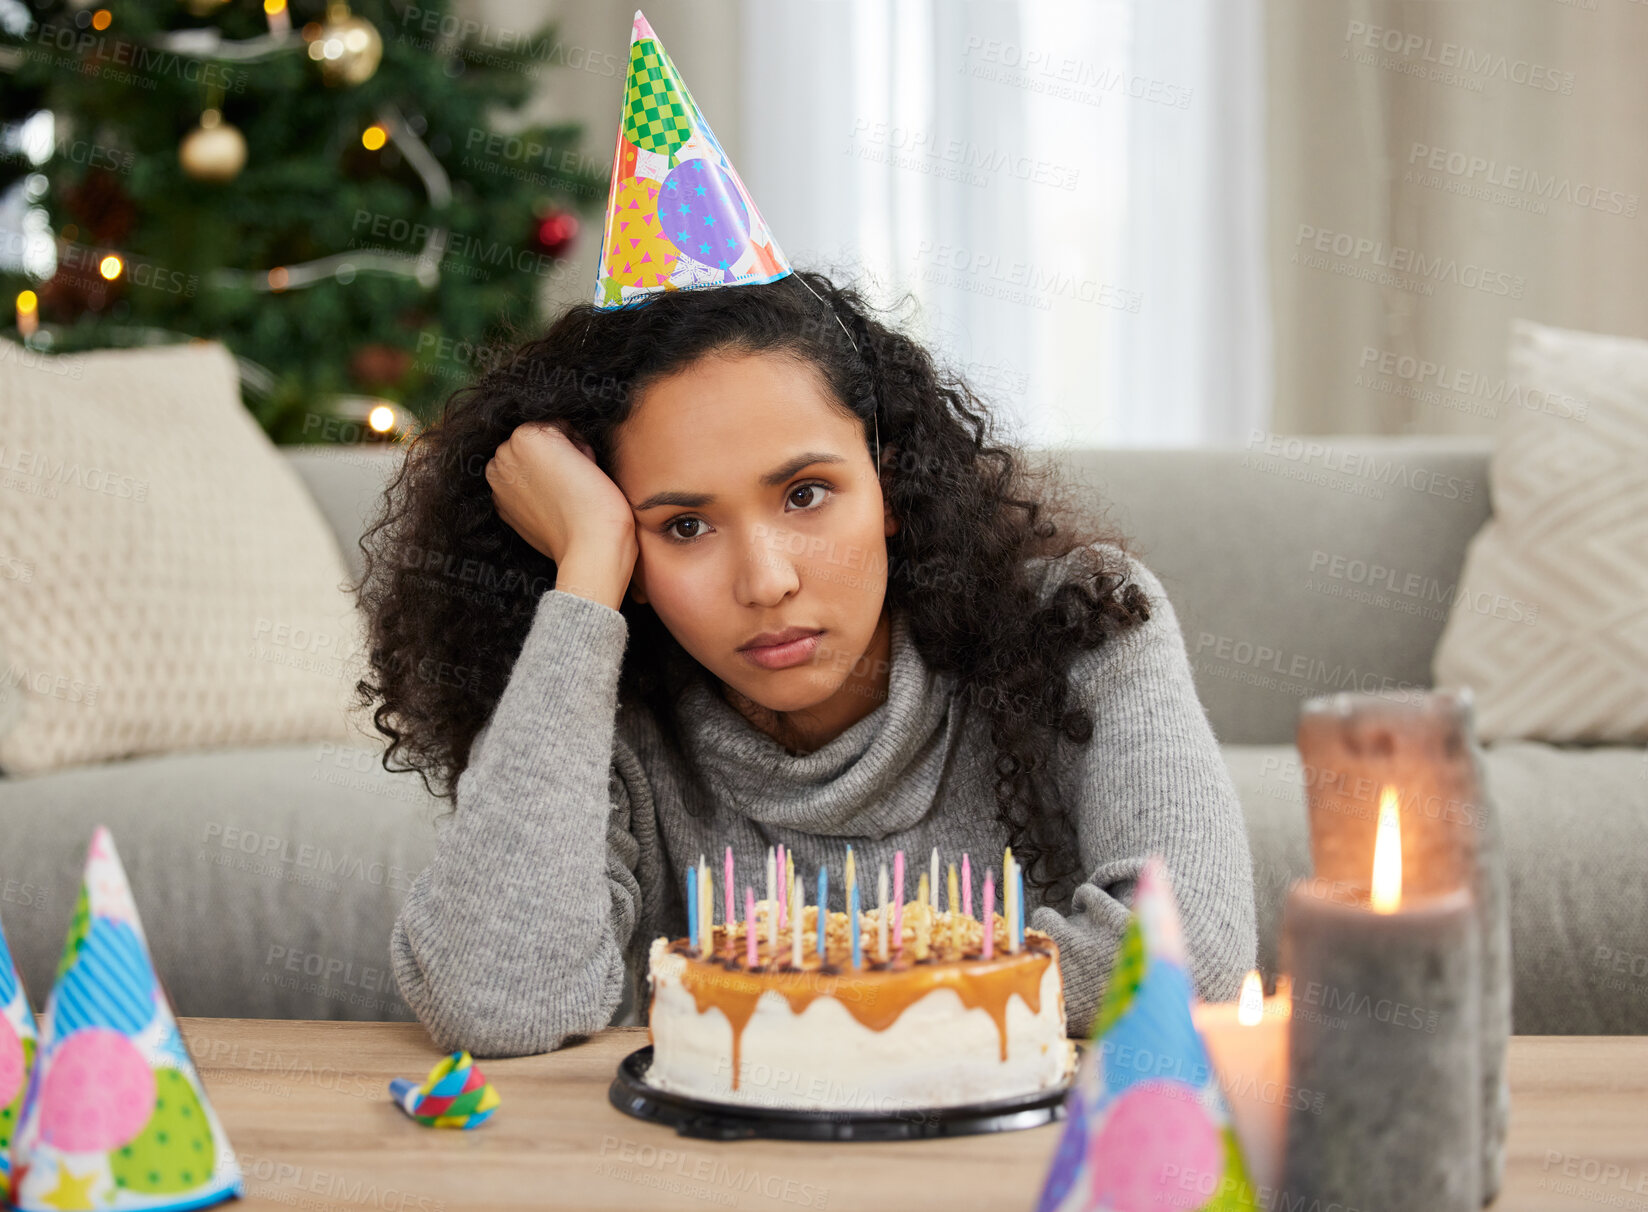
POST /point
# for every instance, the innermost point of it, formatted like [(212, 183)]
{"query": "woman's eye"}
[(672, 533), (806, 487)]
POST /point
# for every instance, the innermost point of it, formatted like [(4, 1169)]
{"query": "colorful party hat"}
[(17, 1046), (115, 1116), (1146, 1124), (678, 216), (454, 1095)]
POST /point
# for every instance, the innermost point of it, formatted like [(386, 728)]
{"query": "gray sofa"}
[(269, 878)]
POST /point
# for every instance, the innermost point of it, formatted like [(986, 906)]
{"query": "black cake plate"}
[(708, 1120)]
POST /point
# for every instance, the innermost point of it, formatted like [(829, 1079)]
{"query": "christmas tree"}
[(324, 188)]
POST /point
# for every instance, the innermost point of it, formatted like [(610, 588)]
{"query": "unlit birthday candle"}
[(795, 918), (787, 874), (823, 903), (692, 907), (1008, 903), (955, 898), (772, 900), (881, 915), (1019, 914), (987, 911), (922, 891), (966, 885), (898, 900), (932, 880), (783, 889), (732, 913), (852, 924), (749, 927), (850, 872), (706, 909)]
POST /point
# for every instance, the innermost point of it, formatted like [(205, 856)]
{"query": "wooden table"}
[(307, 1110)]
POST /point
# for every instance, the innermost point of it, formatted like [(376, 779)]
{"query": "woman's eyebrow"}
[(775, 477)]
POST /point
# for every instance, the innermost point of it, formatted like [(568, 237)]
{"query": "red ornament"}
[(555, 233), (374, 367)]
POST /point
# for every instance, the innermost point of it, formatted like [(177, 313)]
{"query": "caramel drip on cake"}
[(950, 948)]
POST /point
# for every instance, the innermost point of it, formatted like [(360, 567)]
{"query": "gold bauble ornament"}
[(214, 150), (348, 48)]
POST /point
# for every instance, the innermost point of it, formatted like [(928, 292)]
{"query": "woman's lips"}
[(782, 656)]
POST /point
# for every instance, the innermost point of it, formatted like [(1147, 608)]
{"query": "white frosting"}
[(937, 1053)]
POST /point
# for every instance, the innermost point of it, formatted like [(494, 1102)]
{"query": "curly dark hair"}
[(450, 590)]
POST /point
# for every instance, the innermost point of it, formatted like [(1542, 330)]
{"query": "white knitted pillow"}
[(1550, 625), (166, 581)]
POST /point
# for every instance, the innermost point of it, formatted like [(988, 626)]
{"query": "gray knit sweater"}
[(569, 847)]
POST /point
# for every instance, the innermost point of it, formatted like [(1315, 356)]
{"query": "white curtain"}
[(1073, 194)]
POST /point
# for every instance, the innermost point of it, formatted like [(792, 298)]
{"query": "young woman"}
[(644, 592)]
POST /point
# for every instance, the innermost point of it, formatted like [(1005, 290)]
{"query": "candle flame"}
[(1250, 1010), (1387, 855)]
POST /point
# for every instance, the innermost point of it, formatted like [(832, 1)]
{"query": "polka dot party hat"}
[(1146, 1123), (114, 1115), (17, 1047), (678, 216)]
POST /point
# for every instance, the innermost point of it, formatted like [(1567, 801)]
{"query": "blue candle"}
[(852, 923), (692, 905), (823, 904), (1018, 923)]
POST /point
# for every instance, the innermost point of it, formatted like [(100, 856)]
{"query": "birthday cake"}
[(934, 1025)]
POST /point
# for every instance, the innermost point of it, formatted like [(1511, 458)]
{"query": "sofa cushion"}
[(1576, 828), (183, 589), (1550, 628), (268, 878)]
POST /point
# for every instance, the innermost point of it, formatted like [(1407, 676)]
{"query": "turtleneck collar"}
[(876, 778)]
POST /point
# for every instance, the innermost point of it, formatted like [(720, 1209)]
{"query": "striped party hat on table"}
[(17, 1046), (114, 1115), (1147, 1126), (678, 216)]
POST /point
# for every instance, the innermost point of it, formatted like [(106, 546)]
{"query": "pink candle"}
[(749, 926), (966, 886), (898, 901), (731, 915), (989, 914), (783, 889)]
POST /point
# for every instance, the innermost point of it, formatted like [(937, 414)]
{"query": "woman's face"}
[(757, 510)]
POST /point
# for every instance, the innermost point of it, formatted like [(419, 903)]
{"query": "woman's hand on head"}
[(548, 488)]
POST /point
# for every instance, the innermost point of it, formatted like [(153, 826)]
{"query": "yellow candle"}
[(955, 896)]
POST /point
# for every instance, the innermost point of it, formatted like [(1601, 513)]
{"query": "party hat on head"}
[(115, 1116), (17, 1048), (1147, 1126), (678, 216)]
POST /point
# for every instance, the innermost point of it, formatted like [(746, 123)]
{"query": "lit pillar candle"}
[(966, 885), (1423, 745), (1386, 993), (987, 913), (898, 900), (881, 914), (749, 927), (1247, 1043)]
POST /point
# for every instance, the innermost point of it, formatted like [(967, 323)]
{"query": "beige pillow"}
[(1550, 624), (166, 581)]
